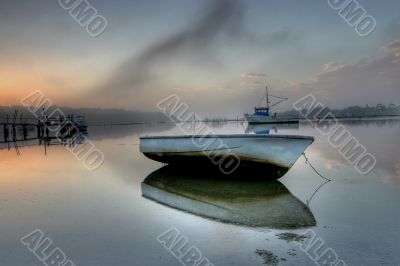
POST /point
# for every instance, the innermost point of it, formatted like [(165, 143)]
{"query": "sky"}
[(216, 55)]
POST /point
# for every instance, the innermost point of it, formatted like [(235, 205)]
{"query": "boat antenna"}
[(267, 98)]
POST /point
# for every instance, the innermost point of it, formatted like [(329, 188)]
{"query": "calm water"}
[(101, 217)]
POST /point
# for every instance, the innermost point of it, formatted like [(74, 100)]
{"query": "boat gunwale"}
[(230, 136)]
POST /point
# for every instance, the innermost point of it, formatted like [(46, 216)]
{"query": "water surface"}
[(102, 218)]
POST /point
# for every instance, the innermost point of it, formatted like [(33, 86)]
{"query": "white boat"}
[(262, 115), (250, 150), (243, 200)]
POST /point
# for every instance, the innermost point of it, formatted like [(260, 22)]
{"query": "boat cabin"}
[(264, 111)]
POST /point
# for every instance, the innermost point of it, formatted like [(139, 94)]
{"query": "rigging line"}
[(277, 103), (283, 98)]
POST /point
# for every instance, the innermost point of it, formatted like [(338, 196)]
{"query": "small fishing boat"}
[(267, 128), (243, 199), (280, 151), (262, 115), (79, 122)]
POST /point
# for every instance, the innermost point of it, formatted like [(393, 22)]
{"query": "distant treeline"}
[(94, 116), (99, 116), (354, 111)]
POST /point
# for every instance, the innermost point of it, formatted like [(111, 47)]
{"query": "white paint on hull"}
[(279, 150)]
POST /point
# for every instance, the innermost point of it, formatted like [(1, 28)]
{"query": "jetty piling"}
[(18, 128)]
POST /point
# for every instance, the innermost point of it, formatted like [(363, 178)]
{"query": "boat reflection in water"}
[(242, 198), (268, 128)]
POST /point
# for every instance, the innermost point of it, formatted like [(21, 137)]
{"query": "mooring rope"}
[(315, 192), (315, 170), (318, 173)]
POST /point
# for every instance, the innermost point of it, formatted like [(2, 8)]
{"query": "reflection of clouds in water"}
[(313, 152), (379, 136), (395, 177), (123, 131), (333, 164), (331, 159)]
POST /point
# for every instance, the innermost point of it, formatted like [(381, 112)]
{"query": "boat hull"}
[(251, 150), (266, 128)]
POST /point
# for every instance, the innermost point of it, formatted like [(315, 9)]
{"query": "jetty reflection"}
[(243, 198), (29, 136)]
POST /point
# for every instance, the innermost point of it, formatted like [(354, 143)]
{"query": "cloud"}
[(329, 67), (392, 46), (253, 79), (199, 49), (369, 81), (252, 83), (293, 85), (395, 175), (198, 42), (253, 75)]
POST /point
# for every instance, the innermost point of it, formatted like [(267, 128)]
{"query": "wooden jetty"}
[(45, 128)]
